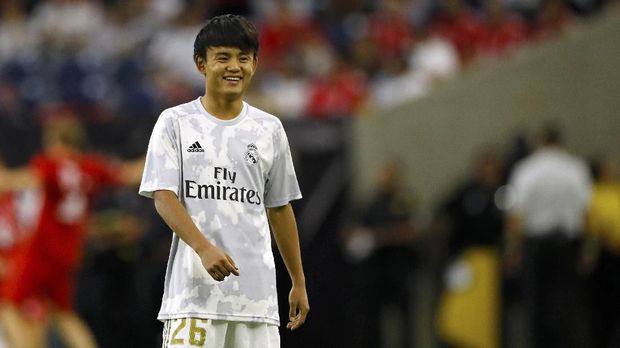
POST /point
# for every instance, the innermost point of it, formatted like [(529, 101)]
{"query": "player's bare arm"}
[(131, 171), (284, 227), (514, 242), (218, 264), (18, 179)]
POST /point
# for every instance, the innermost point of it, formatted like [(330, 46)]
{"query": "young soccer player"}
[(220, 172), (41, 283)]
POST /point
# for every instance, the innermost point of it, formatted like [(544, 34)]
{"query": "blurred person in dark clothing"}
[(552, 191), (382, 244), (604, 230), (472, 210), (472, 223), (108, 291)]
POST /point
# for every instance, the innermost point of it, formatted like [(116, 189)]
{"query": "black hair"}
[(229, 31), (551, 134), (595, 165)]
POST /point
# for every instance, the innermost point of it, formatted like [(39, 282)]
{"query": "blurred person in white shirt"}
[(63, 25), (552, 189)]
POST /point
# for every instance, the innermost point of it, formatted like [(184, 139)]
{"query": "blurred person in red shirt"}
[(504, 30), (390, 28), (339, 91), (460, 25), (282, 31), (42, 279)]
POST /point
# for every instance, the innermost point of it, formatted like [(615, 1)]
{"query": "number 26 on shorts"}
[(194, 335)]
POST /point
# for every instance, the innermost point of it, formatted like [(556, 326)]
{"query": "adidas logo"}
[(195, 147)]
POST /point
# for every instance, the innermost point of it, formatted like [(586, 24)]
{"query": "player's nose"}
[(233, 65)]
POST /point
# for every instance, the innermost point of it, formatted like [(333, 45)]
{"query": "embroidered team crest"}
[(251, 155)]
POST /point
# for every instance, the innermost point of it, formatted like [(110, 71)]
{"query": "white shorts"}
[(207, 333)]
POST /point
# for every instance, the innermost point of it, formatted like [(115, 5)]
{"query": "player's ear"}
[(254, 62), (200, 64)]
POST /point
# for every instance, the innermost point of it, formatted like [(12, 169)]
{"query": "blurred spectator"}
[(473, 211), (281, 31), (297, 8), (16, 35), (365, 55), (460, 25), (604, 228), (473, 220), (587, 7), (505, 30), (552, 191), (340, 91), (285, 90), (10, 110), (171, 51), (66, 25), (432, 62), (382, 244), (93, 48), (397, 83), (128, 27), (163, 11), (435, 60), (519, 147), (391, 29)]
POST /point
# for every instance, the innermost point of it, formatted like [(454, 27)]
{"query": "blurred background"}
[(405, 119)]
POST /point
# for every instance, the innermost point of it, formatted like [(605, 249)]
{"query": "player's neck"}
[(58, 150), (222, 108)]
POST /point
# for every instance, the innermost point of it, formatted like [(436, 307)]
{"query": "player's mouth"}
[(233, 79)]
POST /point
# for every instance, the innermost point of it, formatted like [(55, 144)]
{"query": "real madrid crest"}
[(251, 155)]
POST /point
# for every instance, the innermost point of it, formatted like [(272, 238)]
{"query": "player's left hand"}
[(299, 307)]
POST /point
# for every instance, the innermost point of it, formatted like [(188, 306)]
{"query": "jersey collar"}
[(233, 121)]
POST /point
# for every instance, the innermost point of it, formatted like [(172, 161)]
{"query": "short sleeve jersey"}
[(225, 173), (69, 188)]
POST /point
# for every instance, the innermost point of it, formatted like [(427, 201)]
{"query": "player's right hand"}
[(218, 264)]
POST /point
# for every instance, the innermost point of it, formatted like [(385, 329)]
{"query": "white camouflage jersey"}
[(225, 173)]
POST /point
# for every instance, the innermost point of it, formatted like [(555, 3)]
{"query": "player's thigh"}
[(252, 335), (205, 333), (21, 331)]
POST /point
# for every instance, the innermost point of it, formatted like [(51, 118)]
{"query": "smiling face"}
[(228, 71)]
